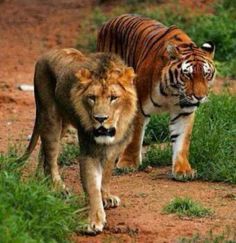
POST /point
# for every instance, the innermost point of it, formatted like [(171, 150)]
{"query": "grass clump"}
[(213, 143), (157, 129), (70, 153), (186, 207), (157, 156), (30, 211), (226, 237), (212, 150)]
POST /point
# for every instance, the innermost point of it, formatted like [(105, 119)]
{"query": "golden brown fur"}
[(96, 95), (173, 76)]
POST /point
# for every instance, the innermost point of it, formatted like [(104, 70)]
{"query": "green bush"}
[(69, 154), (186, 207), (213, 143), (157, 129), (30, 211), (156, 156), (212, 150)]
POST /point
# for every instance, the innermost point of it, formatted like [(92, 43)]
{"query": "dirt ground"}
[(28, 28)]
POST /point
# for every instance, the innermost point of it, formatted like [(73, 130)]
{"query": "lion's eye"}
[(91, 98), (113, 98)]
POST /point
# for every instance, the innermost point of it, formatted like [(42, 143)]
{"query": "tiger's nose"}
[(100, 118), (198, 97)]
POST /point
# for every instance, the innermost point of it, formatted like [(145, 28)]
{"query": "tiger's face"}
[(191, 72)]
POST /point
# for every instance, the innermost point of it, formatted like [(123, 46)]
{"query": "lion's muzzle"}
[(102, 131)]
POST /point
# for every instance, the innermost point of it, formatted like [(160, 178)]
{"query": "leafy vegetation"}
[(30, 211), (69, 154), (212, 150), (186, 207), (226, 237), (217, 25)]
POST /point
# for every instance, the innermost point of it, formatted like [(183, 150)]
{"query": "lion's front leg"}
[(91, 176), (180, 133), (132, 156), (109, 200)]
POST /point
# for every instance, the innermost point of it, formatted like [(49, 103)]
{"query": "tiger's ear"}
[(209, 47), (128, 75), (173, 51), (84, 76)]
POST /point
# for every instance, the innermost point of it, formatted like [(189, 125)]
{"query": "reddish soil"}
[(28, 28)]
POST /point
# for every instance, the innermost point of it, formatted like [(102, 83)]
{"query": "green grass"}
[(226, 237), (122, 171), (217, 26), (213, 143), (156, 130), (186, 207), (69, 154), (212, 151), (157, 157), (30, 211)]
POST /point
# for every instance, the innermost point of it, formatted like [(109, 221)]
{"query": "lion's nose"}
[(100, 118)]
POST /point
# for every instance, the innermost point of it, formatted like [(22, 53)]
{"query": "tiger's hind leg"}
[(180, 132)]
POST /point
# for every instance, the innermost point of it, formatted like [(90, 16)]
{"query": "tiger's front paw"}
[(128, 162), (111, 201), (183, 172)]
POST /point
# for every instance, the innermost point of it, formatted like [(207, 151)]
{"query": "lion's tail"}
[(32, 144)]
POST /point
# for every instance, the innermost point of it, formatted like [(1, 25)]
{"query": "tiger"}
[(173, 75)]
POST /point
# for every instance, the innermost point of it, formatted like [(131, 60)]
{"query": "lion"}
[(95, 94)]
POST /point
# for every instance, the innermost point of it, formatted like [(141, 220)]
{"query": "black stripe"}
[(171, 78), (174, 136), (154, 102), (189, 105), (136, 42), (154, 42), (142, 111), (162, 91), (132, 33), (180, 115), (159, 39)]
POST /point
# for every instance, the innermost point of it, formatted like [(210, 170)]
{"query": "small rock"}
[(26, 87), (148, 169)]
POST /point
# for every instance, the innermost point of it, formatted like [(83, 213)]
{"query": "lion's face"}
[(106, 107)]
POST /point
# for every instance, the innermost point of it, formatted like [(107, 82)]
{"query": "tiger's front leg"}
[(132, 156), (181, 125)]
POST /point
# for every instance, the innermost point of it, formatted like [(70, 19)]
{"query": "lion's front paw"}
[(96, 223), (183, 172), (111, 201), (60, 186)]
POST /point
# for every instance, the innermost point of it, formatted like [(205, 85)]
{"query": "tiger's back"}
[(136, 38)]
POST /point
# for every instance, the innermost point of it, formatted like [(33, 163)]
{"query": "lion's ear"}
[(129, 75), (84, 75), (173, 51)]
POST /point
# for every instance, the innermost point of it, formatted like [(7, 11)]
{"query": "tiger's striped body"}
[(173, 75)]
